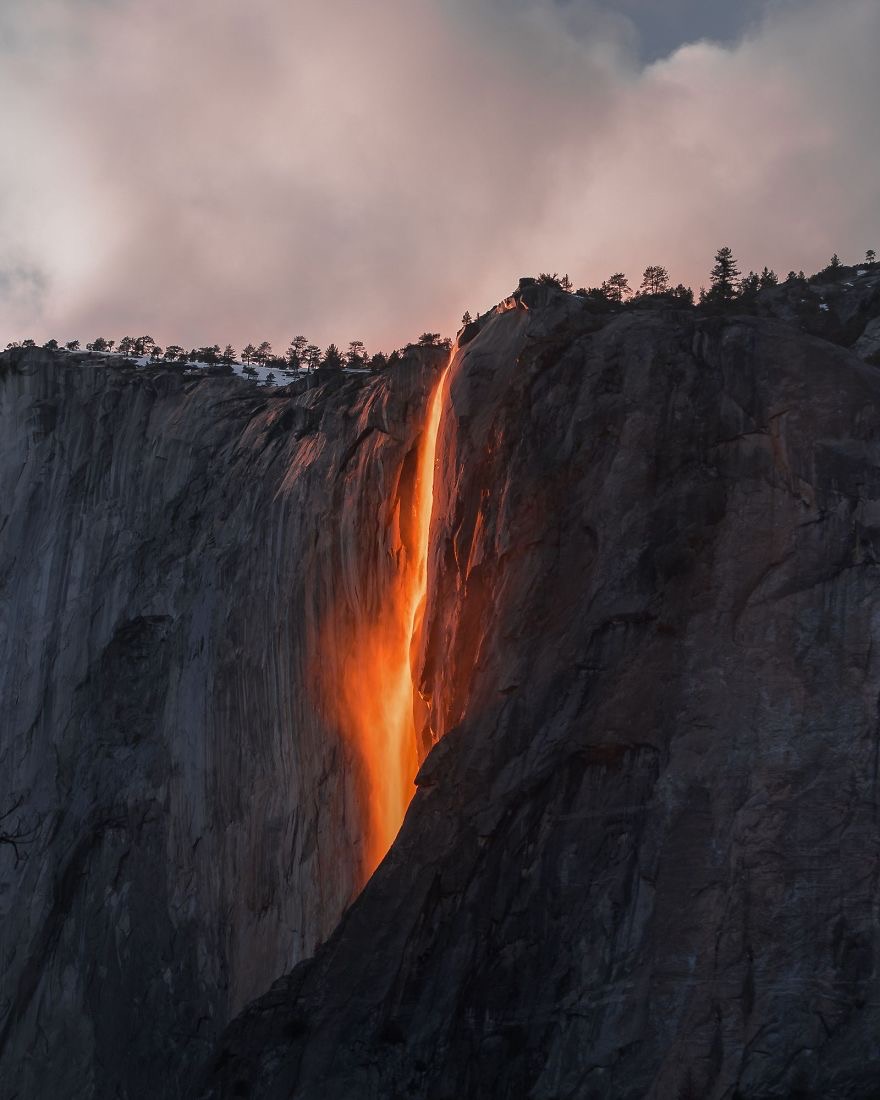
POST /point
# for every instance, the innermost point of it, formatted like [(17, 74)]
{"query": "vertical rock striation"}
[(643, 857), (191, 820)]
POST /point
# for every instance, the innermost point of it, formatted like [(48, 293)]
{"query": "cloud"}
[(664, 27), (23, 290), (213, 171)]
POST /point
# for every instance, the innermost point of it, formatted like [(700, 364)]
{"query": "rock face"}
[(643, 858), (185, 817), (841, 307), (644, 852)]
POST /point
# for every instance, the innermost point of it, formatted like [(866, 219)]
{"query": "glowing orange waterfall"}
[(375, 699)]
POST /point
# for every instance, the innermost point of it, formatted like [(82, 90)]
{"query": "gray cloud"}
[(211, 170), (653, 30), (665, 27), (23, 290)]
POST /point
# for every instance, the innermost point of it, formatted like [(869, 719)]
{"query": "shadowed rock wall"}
[(643, 860), (170, 551)]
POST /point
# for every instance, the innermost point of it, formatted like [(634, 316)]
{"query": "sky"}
[(237, 170)]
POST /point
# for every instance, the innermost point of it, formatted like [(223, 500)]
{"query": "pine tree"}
[(617, 287), (143, 344), (247, 353), (209, 355), (749, 287), (724, 276), (466, 320), (312, 356), (229, 354), (870, 257), (682, 295), (296, 352), (768, 278), (834, 268), (655, 280), (356, 356), (565, 284), (333, 358)]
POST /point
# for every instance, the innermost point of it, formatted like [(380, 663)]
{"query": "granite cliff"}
[(172, 555), (642, 858)]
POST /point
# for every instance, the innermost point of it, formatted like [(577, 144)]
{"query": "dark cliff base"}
[(642, 860)]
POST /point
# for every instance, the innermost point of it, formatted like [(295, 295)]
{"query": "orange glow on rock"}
[(375, 699)]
